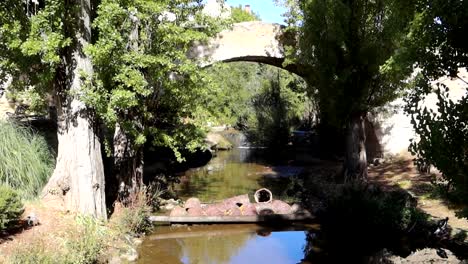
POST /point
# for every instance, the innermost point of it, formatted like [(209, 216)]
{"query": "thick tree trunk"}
[(78, 177), (355, 167)]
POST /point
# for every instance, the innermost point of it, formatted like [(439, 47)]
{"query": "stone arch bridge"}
[(248, 41)]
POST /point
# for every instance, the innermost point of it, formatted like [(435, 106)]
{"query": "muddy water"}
[(230, 173)]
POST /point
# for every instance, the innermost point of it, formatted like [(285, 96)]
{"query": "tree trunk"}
[(128, 158), (78, 177), (355, 167), (128, 166)]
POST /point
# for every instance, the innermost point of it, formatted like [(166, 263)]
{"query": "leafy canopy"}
[(144, 79), (239, 14), (349, 46)]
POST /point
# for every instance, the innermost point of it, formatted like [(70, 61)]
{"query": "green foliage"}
[(86, 242), (144, 80), (31, 47), (11, 206), (346, 45), (369, 211), (238, 14), (26, 162), (264, 102), (436, 46), (133, 219), (278, 110), (442, 135)]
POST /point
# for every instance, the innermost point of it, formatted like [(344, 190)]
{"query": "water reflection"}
[(229, 174), (223, 244)]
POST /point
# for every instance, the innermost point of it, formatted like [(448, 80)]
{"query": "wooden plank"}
[(234, 219)]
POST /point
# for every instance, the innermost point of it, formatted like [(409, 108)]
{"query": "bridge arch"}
[(254, 41)]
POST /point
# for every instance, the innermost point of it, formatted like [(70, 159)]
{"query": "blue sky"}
[(267, 9)]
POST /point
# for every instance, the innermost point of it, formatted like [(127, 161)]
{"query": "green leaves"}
[(348, 47), (143, 78)]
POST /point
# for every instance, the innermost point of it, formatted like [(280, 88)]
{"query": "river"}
[(230, 173)]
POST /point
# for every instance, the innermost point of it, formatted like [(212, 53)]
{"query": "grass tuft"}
[(26, 162)]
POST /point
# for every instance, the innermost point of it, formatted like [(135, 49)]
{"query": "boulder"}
[(237, 200), (233, 211), (178, 211), (248, 209), (195, 211), (213, 210), (192, 203), (280, 207)]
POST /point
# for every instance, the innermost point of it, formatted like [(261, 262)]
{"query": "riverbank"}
[(67, 238), (398, 210)]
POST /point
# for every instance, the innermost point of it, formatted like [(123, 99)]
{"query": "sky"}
[(267, 9)]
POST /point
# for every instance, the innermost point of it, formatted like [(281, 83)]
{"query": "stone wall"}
[(395, 130)]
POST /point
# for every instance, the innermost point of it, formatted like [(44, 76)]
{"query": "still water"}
[(235, 172), (223, 244), (229, 174)]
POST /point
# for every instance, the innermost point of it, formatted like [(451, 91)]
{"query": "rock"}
[(233, 211), (32, 219), (426, 255), (280, 207), (168, 207), (115, 260), (192, 202), (237, 200), (295, 208), (214, 210), (178, 211), (248, 209), (195, 211), (131, 255), (137, 241)]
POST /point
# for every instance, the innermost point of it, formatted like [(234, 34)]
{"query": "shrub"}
[(11, 206), (86, 242), (133, 218), (26, 162), (368, 208)]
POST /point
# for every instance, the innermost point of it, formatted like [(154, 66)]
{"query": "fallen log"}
[(273, 218)]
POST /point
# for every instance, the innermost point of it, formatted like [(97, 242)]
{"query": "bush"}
[(85, 243), (26, 162), (11, 206), (368, 208), (133, 218)]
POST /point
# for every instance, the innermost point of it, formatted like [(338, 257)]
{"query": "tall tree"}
[(42, 49), (145, 85), (348, 45)]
